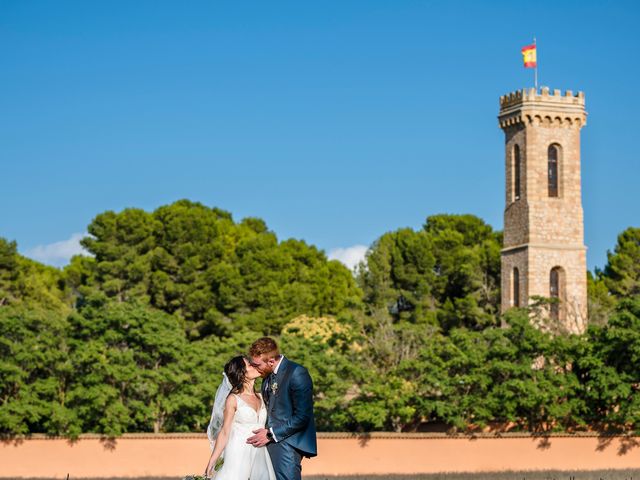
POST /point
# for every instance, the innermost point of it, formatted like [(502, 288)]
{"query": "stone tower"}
[(544, 252)]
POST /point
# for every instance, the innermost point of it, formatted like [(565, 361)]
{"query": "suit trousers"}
[(286, 460)]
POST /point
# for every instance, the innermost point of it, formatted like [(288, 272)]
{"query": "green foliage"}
[(446, 274), (135, 337), (109, 368), (122, 245), (326, 346), (26, 282), (609, 368), (130, 371), (194, 262), (399, 274), (8, 271), (622, 272), (388, 381), (516, 377), (34, 372), (533, 384), (601, 301)]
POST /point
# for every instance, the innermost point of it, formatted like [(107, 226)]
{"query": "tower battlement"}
[(545, 95), (548, 107)]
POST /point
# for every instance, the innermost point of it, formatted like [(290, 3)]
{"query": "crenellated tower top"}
[(544, 108)]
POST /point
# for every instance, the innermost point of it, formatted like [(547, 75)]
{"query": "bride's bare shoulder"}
[(232, 402)]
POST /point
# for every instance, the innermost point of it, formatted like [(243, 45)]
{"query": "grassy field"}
[(537, 475)]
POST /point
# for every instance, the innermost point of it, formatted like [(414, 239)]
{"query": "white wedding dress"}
[(241, 460)]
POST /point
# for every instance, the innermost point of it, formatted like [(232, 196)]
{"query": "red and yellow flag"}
[(529, 56)]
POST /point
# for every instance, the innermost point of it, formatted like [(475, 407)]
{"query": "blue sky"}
[(334, 121)]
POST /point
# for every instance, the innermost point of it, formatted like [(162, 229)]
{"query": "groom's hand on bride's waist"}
[(260, 438)]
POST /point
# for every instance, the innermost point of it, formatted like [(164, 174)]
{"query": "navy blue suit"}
[(290, 417)]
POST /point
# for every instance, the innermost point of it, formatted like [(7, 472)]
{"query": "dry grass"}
[(537, 475)]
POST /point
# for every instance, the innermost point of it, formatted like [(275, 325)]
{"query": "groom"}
[(287, 390)]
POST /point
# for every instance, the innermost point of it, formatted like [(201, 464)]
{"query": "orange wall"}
[(174, 455)]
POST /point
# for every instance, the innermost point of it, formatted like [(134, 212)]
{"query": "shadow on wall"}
[(109, 443), (627, 443)]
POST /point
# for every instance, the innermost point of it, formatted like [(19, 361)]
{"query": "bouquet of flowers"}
[(204, 477)]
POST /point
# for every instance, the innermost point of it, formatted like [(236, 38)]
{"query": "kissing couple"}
[(262, 436)]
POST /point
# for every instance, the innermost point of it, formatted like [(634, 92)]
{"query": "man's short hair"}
[(264, 346)]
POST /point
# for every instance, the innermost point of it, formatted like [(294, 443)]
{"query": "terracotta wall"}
[(176, 455)]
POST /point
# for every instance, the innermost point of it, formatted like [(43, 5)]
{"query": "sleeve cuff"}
[(274, 435)]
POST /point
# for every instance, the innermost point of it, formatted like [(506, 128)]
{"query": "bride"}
[(237, 411)]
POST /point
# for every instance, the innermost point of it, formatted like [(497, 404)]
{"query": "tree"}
[(216, 275), (385, 394), (127, 368), (608, 368), (448, 273), (35, 372), (533, 386), (26, 282), (122, 245), (327, 347), (8, 270), (601, 302), (399, 275), (622, 272), (467, 270)]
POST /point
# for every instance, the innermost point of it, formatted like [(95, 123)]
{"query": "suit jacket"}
[(290, 408)]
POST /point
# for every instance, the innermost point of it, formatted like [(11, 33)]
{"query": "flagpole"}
[(535, 70)]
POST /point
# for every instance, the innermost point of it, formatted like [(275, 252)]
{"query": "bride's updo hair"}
[(236, 371)]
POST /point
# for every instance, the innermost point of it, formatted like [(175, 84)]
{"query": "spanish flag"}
[(529, 56)]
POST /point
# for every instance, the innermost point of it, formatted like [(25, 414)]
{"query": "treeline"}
[(134, 337)]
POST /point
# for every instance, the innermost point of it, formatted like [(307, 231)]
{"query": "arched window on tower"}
[(516, 287), (552, 167), (556, 292), (516, 172)]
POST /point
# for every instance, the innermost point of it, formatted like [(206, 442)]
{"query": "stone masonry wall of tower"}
[(543, 231)]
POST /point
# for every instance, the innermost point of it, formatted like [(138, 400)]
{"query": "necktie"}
[(267, 389), (268, 383)]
